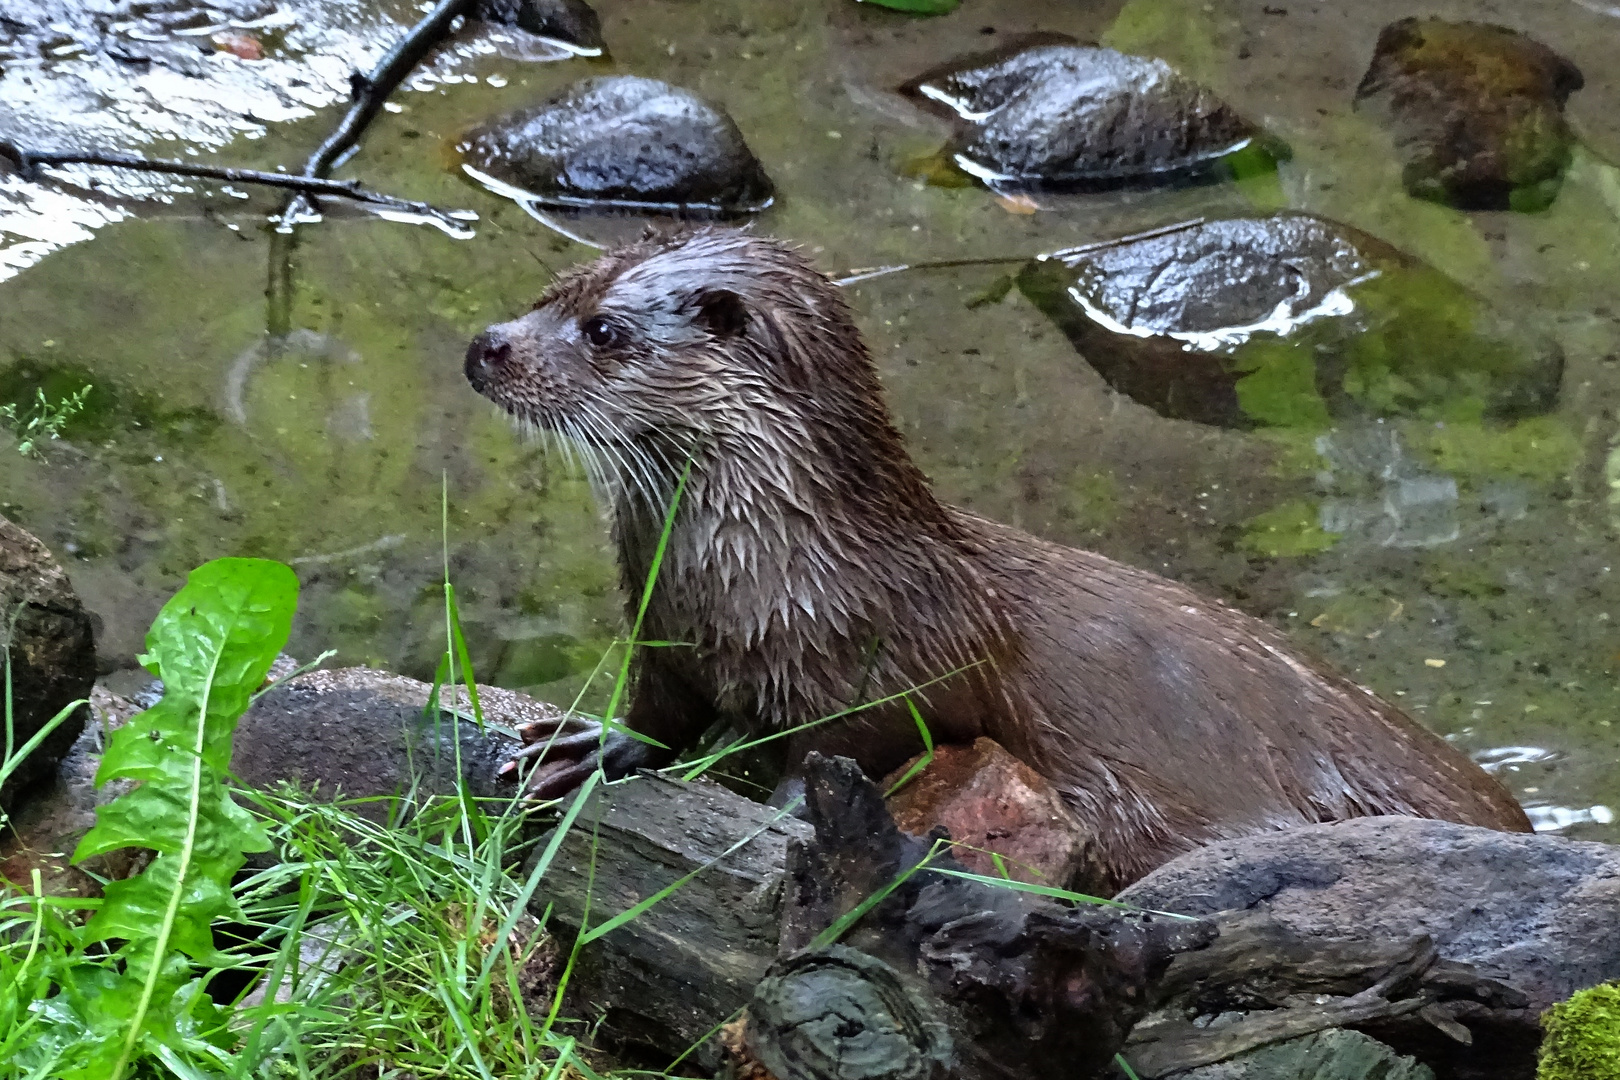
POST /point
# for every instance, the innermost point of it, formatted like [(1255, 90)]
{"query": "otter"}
[(808, 568)]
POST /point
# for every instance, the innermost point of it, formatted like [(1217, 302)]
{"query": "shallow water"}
[(1467, 572)]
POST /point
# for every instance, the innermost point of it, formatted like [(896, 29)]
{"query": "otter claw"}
[(564, 744), (566, 760)]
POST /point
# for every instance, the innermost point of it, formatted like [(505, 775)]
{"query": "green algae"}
[(1542, 449), (1288, 531), (1093, 499), (1185, 33)]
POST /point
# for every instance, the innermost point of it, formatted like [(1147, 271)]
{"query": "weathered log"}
[(663, 981), (1026, 985), (836, 1012), (940, 974)]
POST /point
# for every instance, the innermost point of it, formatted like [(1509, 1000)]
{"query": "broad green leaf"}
[(212, 645)]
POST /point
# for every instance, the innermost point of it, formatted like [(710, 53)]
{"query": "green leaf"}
[(212, 645), (916, 7)]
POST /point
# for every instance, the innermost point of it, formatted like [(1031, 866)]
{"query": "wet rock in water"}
[(624, 141), (52, 655), (1290, 321), (573, 24), (362, 733), (1064, 116), (1334, 1054), (1477, 112)]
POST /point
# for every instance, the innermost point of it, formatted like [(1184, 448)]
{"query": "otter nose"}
[(487, 350)]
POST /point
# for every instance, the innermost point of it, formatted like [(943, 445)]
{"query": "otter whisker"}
[(633, 463), (608, 468), (589, 456)]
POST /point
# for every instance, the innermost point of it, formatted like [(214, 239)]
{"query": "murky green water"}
[(1470, 574)]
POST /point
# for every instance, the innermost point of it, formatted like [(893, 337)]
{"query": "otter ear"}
[(722, 313)]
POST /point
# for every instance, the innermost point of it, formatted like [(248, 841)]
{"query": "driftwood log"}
[(943, 975)]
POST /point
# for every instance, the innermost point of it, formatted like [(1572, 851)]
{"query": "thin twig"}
[(28, 162), (369, 92), (866, 273)]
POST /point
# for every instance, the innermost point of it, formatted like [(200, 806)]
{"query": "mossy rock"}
[(1583, 1036), (1289, 321), (1477, 112)]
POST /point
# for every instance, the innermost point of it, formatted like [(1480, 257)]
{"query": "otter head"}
[(716, 344)]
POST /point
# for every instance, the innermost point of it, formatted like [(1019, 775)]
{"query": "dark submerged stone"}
[(624, 141), (1288, 321), (1062, 116), (1477, 112), (571, 23)]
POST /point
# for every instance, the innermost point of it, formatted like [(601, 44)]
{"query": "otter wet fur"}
[(810, 568)]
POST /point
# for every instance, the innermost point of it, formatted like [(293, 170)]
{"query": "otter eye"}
[(599, 332)]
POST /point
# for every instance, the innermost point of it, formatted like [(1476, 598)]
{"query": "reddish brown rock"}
[(991, 802)]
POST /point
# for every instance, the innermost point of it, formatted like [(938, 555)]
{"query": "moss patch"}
[(1583, 1036), (1541, 449), (1290, 529)]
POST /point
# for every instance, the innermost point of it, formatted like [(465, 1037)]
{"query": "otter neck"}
[(748, 501), (787, 556)]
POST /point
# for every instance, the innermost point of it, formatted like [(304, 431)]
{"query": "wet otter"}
[(810, 567)]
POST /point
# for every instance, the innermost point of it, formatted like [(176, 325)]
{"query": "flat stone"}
[(1064, 116), (52, 650), (991, 802), (1535, 911), (622, 141), (1477, 112), (1288, 321), (361, 733), (1334, 1054)]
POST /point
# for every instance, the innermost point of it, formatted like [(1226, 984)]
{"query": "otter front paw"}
[(568, 752)]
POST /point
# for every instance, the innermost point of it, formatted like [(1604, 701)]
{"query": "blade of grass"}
[(646, 598), (12, 761), (1053, 892), (704, 764), (460, 641), (303, 669), (521, 903), (928, 750), (841, 925), (705, 1037)]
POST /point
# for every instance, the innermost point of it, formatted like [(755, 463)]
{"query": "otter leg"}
[(571, 748)]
